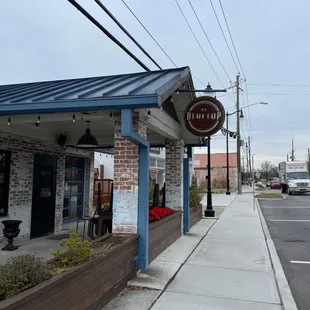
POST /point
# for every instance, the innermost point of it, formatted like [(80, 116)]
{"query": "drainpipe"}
[(143, 183)]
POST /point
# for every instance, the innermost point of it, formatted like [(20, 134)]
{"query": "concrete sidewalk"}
[(225, 267)]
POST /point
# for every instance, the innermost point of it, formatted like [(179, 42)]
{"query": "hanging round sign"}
[(204, 116)]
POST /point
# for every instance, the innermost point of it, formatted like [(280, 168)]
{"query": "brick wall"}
[(89, 185), (21, 178), (217, 174), (126, 172), (174, 174)]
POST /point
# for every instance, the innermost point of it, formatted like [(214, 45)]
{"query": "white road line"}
[(300, 262), (287, 208), (289, 220)]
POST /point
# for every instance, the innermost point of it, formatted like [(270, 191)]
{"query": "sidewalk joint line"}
[(223, 297), (230, 268), (173, 277)]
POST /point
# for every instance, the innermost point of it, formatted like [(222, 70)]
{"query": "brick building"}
[(218, 170), (46, 176)]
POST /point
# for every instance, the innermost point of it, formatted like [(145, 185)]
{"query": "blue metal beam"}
[(186, 185), (81, 105), (143, 191)]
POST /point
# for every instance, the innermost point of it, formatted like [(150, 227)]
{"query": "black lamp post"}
[(209, 212), (233, 135)]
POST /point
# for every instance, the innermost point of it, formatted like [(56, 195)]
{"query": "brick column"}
[(174, 174), (126, 170)]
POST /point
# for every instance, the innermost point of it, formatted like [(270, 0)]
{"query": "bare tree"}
[(268, 170)]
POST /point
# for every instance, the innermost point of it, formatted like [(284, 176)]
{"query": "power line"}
[(232, 41), (108, 34), (279, 85), (106, 10), (207, 37), (156, 42), (218, 21), (193, 33), (279, 94), (136, 17)]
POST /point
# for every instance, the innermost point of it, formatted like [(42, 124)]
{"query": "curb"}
[(283, 287)]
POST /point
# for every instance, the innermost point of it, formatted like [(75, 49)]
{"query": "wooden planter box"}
[(163, 233), (88, 286), (195, 215)]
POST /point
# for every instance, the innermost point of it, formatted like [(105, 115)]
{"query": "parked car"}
[(275, 185)]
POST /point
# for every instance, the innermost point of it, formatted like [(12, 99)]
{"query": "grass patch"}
[(269, 196)]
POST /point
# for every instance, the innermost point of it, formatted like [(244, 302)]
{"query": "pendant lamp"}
[(87, 140)]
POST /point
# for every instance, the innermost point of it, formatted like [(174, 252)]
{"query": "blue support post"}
[(143, 208), (186, 184), (143, 192)]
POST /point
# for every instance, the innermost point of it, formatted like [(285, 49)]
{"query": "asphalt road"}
[(289, 225)]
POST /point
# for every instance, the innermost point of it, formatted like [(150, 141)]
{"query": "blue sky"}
[(45, 40)]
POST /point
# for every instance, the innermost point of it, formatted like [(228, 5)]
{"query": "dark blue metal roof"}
[(143, 89)]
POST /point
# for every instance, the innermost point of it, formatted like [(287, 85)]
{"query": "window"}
[(5, 161), (152, 162), (155, 150), (74, 188), (161, 163)]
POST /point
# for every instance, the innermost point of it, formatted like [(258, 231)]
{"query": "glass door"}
[(74, 188)]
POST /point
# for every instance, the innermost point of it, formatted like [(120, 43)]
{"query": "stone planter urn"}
[(10, 231)]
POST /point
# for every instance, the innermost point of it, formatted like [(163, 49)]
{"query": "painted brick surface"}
[(20, 196), (89, 185), (126, 170), (174, 174)]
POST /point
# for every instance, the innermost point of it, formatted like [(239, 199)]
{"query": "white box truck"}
[(294, 177)]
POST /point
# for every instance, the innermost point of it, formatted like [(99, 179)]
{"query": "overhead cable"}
[(219, 23), (207, 37), (108, 34), (156, 42), (193, 33), (232, 41), (103, 7)]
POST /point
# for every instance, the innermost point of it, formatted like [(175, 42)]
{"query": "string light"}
[(73, 118), (9, 121)]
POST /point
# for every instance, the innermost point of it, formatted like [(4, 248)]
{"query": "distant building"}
[(218, 170), (104, 165)]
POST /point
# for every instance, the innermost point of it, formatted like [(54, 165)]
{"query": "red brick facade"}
[(126, 176)]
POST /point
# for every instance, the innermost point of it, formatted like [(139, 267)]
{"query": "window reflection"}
[(74, 188)]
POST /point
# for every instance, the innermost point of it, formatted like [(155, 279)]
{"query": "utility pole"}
[(238, 135), (287, 157), (293, 156), (250, 166), (247, 163), (308, 160)]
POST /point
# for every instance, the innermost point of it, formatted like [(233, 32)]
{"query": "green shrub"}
[(21, 273), (77, 251), (151, 193), (260, 186), (195, 197)]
